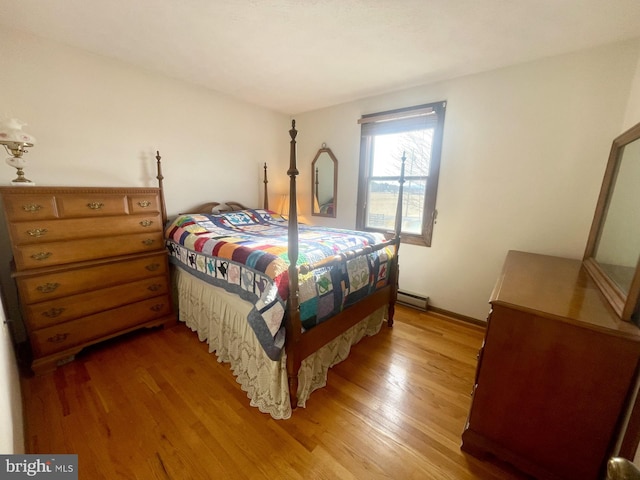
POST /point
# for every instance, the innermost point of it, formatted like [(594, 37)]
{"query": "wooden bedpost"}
[(293, 324), (395, 271), (265, 203), (163, 207)]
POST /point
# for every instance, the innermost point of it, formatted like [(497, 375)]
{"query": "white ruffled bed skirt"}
[(220, 319)]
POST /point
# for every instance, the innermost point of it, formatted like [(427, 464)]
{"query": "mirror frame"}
[(625, 304), (328, 151)]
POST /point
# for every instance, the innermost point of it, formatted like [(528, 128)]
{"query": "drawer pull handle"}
[(37, 232), (144, 203), (47, 287), (60, 337), (155, 287), (41, 255), (95, 205), (157, 307), (146, 223), (152, 267), (148, 242), (53, 312), (31, 207)]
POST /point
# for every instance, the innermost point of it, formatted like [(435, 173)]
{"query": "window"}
[(416, 133)]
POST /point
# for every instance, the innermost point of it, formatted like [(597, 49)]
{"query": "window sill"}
[(406, 238), (414, 240)]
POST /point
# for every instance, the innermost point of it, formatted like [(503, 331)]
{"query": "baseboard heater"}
[(413, 300)]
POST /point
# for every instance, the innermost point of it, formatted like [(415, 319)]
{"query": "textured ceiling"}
[(299, 55)]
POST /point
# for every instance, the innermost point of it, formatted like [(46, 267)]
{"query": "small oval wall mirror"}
[(324, 183)]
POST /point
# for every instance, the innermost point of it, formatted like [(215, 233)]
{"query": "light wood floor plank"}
[(156, 405)]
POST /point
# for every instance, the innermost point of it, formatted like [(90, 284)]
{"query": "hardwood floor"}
[(156, 405)]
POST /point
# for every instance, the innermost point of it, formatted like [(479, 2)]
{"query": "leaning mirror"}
[(612, 256), (324, 183)]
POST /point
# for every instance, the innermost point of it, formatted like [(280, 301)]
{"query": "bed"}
[(280, 302)]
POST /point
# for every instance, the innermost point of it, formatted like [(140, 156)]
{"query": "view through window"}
[(416, 134)]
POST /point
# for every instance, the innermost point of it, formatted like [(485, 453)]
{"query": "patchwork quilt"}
[(245, 252)]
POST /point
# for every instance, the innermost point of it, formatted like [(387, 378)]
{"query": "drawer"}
[(76, 332), (42, 287), (91, 204), (31, 207), (52, 312), (59, 253), (144, 203), (41, 231)]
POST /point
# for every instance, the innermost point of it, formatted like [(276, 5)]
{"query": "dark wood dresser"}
[(556, 373), (89, 264)]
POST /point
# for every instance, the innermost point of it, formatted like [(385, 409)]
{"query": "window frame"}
[(429, 214)]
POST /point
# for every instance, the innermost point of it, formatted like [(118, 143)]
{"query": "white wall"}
[(99, 122), (11, 426), (632, 115), (524, 153)]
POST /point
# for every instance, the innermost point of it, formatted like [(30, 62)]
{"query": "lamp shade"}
[(283, 205), (11, 133)]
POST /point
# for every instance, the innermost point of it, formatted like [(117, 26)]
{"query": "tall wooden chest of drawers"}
[(89, 264), (556, 374)]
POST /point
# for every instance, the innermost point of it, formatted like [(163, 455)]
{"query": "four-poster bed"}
[(301, 295)]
